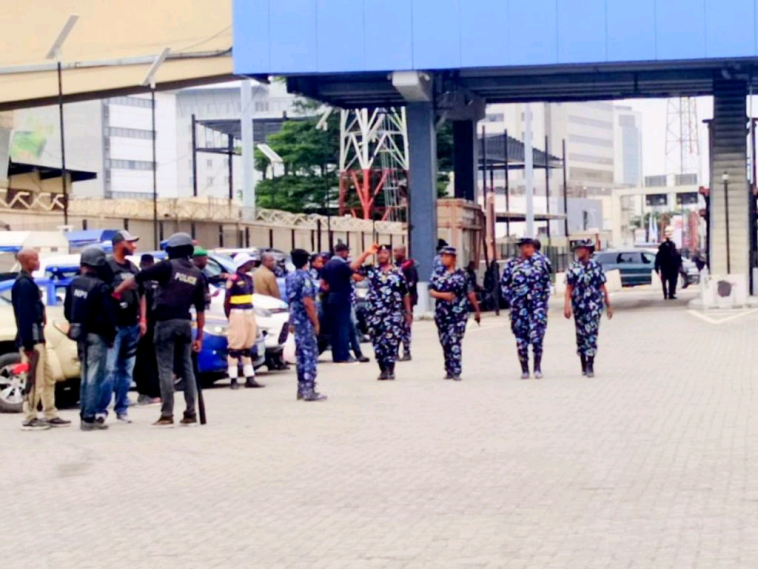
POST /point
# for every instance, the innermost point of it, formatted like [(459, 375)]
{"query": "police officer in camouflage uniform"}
[(179, 288), (585, 293), (389, 307), (526, 287), (451, 288), (301, 295)]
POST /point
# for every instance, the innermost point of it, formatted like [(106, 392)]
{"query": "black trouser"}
[(339, 320), (668, 280), (146, 366)]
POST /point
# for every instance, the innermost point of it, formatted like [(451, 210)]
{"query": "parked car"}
[(636, 266)]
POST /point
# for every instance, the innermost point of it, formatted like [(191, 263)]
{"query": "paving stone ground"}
[(652, 464)]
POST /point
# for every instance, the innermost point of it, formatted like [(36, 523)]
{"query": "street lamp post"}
[(149, 80), (55, 53)]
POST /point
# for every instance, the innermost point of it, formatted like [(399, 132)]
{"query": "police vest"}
[(80, 289), (178, 293), (240, 290)]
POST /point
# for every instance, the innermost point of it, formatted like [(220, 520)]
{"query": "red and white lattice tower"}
[(373, 161)]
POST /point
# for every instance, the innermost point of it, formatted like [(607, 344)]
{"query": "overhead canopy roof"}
[(495, 149), (46, 172), (262, 128), (111, 47), (551, 83)]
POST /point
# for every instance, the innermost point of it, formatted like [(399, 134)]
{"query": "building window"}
[(591, 140), (129, 132), (131, 102), (209, 162), (590, 122), (591, 159), (261, 107), (209, 181), (129, 164)]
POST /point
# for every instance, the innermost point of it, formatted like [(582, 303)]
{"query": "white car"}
[(272, 317)]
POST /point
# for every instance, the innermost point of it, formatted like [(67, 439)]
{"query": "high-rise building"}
[(587, 128), (628, 146)]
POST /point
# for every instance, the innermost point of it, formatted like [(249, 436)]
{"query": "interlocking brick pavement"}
[(652, 464)]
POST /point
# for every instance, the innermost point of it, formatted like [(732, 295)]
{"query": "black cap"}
[(341, 247), (123, 235), (525, 241)]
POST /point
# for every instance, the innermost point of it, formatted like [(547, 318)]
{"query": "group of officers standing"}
[(107, 306)]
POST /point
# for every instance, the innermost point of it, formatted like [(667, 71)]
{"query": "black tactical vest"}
[(80, 289), (178, 293)]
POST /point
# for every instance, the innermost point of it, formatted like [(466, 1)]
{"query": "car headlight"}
[(262, 312)]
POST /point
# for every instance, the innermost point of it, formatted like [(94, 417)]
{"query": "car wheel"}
[(11, 385)]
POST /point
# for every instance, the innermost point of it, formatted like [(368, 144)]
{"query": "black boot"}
[(384, 374), (591, 366), (537, 366), (524, 360), (584, 364), (391, 371), (234, 384)]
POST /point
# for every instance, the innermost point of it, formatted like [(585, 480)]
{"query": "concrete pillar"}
[(422, 150), (465, 157), (729, 155)]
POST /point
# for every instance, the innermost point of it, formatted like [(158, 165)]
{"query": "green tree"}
[(309, 158)]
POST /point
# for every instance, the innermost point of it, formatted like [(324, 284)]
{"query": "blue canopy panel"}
[(344, 36), (10, 248)]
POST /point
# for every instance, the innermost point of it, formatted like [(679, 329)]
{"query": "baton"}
[(198, 384)]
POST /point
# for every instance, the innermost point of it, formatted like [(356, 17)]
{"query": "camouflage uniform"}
[(451, 317), (586, 280), (300, 285), (526, 287), (386, 312)]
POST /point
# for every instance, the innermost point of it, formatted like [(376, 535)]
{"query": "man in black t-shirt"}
[(131, 325)]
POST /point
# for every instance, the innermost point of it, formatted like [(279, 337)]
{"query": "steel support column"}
[(422, 190)]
